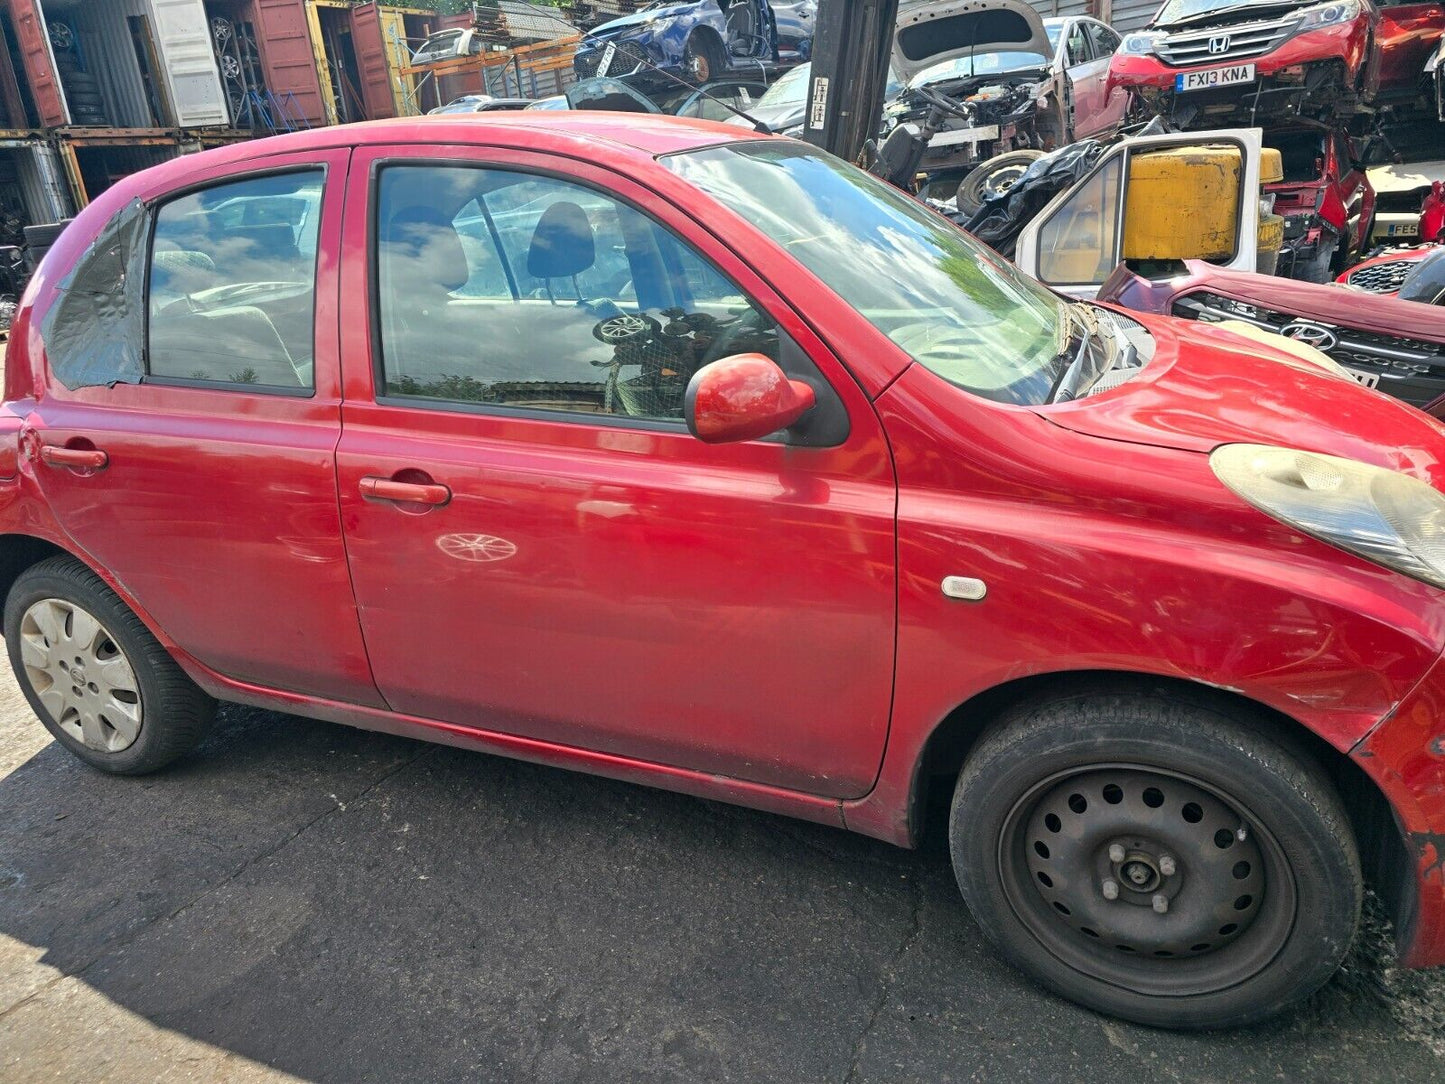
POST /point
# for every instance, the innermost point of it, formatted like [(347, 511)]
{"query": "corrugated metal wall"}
[(105, 43), (42, 183), (1133, 14)]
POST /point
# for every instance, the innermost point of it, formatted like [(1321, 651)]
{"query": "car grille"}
[(1409, 369), (1382, 278), (1243, 40), (628, 59)]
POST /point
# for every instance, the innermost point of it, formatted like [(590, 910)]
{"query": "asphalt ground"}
[(303, 900)]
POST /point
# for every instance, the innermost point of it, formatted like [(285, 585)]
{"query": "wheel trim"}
[(1231, 959), (80, 675)]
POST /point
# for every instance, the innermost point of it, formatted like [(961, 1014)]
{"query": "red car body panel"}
[(1405, 257), (1405, 37), (754, 622)]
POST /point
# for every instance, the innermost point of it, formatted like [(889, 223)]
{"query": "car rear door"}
[(538, 545), (208, 488), (1085, 76), (1113, 102)]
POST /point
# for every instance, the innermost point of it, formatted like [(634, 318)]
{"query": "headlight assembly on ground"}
[(1381, 515)]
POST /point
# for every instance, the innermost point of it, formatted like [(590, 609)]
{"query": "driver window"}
[(232, 284), (517, 290), (1080, 242)]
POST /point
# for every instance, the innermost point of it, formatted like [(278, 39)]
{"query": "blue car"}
[(700, 41)]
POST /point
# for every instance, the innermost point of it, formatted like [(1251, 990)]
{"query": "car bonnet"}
[(930, 32)]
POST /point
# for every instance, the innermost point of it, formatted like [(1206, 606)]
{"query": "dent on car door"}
[(538, 545), (215, 501)]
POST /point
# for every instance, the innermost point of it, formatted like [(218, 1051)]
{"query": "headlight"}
[(1139, 44), (1381, 515), (1341, 11)]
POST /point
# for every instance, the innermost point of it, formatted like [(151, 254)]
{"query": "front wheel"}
[(1156, 858), (703, 59)]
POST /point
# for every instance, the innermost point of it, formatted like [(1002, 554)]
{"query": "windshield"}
[(1177, 10), (944, 299), (791, 89), (981, 64)]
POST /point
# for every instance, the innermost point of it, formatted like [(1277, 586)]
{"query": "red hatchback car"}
[(663, 450)]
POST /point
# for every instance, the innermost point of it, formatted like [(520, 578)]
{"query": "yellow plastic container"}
[(1183, 204)]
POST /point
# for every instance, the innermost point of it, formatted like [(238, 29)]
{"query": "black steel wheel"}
[(993, 178), (1156, 857)]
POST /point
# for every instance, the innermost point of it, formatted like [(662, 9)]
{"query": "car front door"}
[(1113, 101), (208, 488), (538, 545)]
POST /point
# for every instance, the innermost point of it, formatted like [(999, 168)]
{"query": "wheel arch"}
[(21, 551), (1384, 853)]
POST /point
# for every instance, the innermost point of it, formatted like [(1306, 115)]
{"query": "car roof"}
[(635, 135)]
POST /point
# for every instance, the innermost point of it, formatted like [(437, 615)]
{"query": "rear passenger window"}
[(233, 284), (518, 290)]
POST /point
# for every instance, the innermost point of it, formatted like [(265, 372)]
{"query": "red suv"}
[(1251, 59), (701, 459)]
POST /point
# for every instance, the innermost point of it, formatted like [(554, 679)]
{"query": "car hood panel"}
[(932, 31), (1207, 386), (637, 19)]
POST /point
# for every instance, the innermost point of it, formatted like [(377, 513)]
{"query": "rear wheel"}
[(1156, 858), (95, 676), (991, 179)]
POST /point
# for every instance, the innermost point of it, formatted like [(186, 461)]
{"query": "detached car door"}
[(538, 545), (1128, 208), (206, 481)]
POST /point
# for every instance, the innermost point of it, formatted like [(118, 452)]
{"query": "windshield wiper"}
[(1091, 331), (1212, 13)]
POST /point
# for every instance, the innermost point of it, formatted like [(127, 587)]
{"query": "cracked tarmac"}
[(301, 900)]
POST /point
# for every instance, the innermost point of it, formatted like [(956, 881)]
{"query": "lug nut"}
[(1161, 903), (1241, 833), (1116, 853), (1111, 890), (1166, 865)]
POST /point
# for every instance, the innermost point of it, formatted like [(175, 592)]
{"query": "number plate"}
[(1405, 229), (608, 56), (1369, 380), (1213, 77)]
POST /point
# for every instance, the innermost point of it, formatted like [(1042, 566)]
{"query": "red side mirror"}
[(743, 397)]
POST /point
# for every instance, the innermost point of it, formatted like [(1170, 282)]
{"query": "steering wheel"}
[(941, 101), (628, 327)]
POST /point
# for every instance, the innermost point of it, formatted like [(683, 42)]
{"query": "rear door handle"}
[(53, 455), (388, 489)]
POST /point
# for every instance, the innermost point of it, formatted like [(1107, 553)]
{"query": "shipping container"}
[(33, 189), (92, 166), (385, 38), (119, 63)]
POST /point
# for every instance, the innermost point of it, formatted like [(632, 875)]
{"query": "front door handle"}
[(389, 489), (53, 455)]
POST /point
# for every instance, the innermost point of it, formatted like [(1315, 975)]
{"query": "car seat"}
[(423, 262), (563, 247)]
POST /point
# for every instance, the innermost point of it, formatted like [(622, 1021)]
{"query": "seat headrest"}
[(562, 243), (427, 241)]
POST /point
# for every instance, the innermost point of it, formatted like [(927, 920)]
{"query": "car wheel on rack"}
[(95, 676), (1155, 856)]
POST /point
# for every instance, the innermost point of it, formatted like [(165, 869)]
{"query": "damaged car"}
[(1213, 61), (1392, 344), (699, 41), (1325, 199), (1011, 83)]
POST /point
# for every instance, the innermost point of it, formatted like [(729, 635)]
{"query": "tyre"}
[(703, 58), (95, 676), (993, 178), (1317, 268), (1154, 857)]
